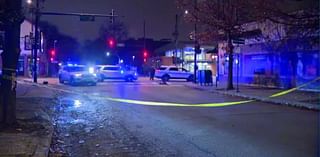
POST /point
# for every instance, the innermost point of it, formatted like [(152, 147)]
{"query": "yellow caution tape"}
[(152, 103), (293, 89)]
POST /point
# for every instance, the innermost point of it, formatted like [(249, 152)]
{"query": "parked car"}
[(77, 74), (117, 72), (172, 72)]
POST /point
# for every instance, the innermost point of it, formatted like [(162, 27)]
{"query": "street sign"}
[(28, 41), (120, 45), (87, 18), (238, 41)]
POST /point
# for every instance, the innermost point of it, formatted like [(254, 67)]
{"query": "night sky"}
[(159, 16)]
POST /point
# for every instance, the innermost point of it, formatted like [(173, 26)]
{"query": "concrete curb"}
[(262, 99)]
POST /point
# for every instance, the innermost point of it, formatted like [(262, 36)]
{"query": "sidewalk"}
[(32, 136), (297, 98)]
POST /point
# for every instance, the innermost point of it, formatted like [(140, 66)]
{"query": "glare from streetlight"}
[(186, 12), (108, 54), (29, 1)]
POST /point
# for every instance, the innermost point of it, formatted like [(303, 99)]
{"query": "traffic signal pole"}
[(38, 13), (195, 46), (36, 43)]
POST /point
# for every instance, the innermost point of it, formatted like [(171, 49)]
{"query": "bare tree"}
[(226, 19), (12, 19), (117, 30)]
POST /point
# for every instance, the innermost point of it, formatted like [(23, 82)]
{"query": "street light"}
[(108, 54), (133, 57), (186, 12), (29, 1)]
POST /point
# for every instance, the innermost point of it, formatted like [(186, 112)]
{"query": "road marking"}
[(153, 103)]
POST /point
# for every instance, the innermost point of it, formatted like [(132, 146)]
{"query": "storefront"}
[(184, 56)]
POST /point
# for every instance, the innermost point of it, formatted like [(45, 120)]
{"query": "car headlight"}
[(91, 70), (77, 75)]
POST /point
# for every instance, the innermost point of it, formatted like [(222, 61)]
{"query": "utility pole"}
[(10, 55), (144, 34), (36, 43), (195, 44), (176, 36)]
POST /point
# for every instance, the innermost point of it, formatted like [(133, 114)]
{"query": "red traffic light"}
[(145, 54), (53, 53), (111, 43)]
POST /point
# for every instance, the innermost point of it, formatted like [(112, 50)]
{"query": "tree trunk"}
[(10, 56), (230, 67)]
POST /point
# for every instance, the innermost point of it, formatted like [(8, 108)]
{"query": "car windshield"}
[(112, 68), (76, 69), (162, 68)]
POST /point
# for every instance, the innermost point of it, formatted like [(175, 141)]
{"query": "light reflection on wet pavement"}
[(85, 127)]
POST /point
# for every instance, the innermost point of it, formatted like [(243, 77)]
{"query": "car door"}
[(174, 72), (111, 72), (64, 73), (184, 73)]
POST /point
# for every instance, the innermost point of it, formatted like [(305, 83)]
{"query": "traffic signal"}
[(52, 55), (145, 55), (111, 43)]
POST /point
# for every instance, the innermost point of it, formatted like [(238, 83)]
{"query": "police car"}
[(126, 73), (76, 74), (172, 72)]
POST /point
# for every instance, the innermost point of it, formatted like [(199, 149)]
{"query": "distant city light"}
[(186, 12), (121, 61), (29, 1), (108, 54)]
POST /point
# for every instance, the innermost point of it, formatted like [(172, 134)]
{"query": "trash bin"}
[(208, 77), (200, 77)]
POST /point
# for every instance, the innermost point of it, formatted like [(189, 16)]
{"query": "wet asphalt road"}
[(91, 126)]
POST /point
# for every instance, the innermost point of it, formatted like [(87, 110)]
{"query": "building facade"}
[(182, 55), (272, 59), (25, 60)]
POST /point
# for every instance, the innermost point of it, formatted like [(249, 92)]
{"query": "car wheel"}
[(71, 81), (165, 78), (101, 79), (129, 79), (94, 83), (190, 78)]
